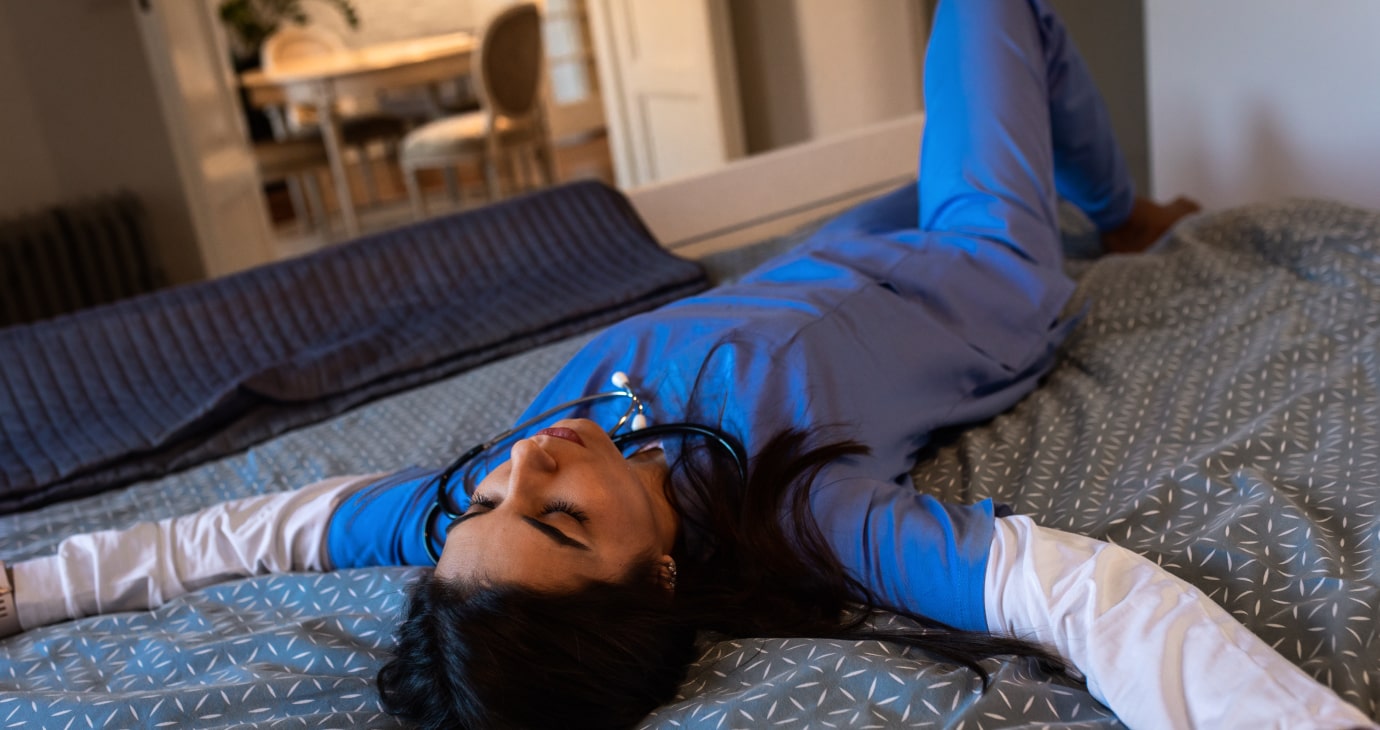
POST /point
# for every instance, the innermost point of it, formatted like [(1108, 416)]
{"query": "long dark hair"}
[(472, 656)]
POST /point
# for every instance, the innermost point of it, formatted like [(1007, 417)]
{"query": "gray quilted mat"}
[(1217, 411)]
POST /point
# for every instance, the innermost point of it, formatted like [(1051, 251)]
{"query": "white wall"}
[(861, 62), (26, 169), (771, 84), (381, 21), (1111, 38), (810, 68), (89, 122), (1255, 100)]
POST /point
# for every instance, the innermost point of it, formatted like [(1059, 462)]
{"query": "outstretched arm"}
[(151, 563), (1153, 648)]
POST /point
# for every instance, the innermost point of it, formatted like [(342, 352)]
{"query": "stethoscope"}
[(634, 418)]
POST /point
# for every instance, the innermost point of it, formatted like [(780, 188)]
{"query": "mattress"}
[(1217, 410)]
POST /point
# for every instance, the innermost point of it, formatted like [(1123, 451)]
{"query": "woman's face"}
[(565, 509)]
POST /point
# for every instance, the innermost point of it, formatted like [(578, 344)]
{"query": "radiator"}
[(74, 256)]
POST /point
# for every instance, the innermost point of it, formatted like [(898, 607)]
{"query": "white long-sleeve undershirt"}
[(1153, 648), (151, 563)]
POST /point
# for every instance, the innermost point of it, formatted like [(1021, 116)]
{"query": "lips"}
[(561, 433)]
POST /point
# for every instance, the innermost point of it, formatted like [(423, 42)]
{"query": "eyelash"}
[(561, 505), (555, 505)]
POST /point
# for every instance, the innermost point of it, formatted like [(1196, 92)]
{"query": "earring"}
[(671, 575)]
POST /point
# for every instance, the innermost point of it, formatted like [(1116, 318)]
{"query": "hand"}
[(9, 612)]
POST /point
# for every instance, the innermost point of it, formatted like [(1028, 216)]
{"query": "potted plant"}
[(251, 21)]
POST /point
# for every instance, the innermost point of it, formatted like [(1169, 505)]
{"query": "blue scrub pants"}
[(1013, 122)]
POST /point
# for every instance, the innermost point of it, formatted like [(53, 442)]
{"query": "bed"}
[(1218, 410)]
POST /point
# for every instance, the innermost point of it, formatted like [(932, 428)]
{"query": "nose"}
[(530, 463)]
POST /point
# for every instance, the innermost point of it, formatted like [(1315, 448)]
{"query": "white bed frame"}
[(773, 193)]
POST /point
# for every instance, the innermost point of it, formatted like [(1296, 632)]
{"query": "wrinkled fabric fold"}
[(104, 397)]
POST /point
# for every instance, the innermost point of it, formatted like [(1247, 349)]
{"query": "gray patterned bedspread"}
[(1218, 410)]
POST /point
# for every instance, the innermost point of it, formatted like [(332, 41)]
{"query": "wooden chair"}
[(360, 122), (296, 161), (511, 118)]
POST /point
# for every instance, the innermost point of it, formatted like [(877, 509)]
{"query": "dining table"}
[(321, 82)]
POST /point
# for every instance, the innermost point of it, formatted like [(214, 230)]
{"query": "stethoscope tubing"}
[(634, 417)]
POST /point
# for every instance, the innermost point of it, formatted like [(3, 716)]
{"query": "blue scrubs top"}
[(938, 304)]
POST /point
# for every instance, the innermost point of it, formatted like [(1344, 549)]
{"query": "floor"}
[(579, 160)]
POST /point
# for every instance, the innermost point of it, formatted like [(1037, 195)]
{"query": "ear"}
[(665, 574)]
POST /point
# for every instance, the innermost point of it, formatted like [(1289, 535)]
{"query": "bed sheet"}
[(1218, 411)]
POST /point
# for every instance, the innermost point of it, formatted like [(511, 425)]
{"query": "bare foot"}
[(1148, 221)]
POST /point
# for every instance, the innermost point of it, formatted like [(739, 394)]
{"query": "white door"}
[(575, 106), (197, 91), (670, 87)]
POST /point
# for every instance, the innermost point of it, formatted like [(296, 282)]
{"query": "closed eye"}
[(560, 505), (560, 538), (552, 507), (480, 500)]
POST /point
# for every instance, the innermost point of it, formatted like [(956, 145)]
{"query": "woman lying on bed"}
[(574, 572)]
